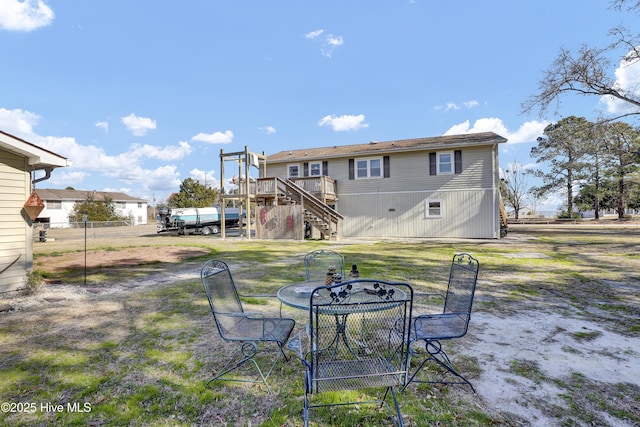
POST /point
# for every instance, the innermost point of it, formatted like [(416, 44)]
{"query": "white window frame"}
[(296, 165), (318, 166), (427, 208), (121, 205), (369, 168), (440, 163), (54, 204)]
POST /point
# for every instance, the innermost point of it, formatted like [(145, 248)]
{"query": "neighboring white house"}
[(58, 211), (20, 161), (446, 186)]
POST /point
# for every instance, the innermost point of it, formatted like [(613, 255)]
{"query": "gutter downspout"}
[(47, 175)]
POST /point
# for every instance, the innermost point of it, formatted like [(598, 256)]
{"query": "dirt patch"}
[(121, 257)]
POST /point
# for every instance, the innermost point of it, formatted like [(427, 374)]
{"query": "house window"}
[(293, 171), (121, 205), (315, 169), (445, 162), (369, 168), (54, 204), (139, 205), (433, 208)]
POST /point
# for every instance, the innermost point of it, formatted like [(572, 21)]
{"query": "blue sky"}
[(141, 95)]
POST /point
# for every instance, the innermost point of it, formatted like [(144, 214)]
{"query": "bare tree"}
[(589, 71), (515, 188)]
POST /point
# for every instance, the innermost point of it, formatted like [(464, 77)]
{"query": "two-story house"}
[(446, 186), (59, 204)]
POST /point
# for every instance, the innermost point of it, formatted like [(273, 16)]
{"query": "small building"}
[(59, 204), (19, 162), (446, 186)]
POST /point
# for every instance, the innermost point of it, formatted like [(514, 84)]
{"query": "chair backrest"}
[(462, 284), (317, 263), (358, 335), (222, 295)]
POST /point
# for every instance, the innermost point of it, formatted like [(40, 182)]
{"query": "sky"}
[(140, 95)]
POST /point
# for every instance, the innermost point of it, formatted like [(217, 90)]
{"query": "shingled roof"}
[(374, 148), (54, 194)]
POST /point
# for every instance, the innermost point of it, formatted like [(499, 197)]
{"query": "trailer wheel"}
[(212, 229)]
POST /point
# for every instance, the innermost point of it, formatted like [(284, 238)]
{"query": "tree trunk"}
[(570, 194), (621, 191)]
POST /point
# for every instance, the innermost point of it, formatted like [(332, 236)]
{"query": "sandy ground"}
[(546, 341)]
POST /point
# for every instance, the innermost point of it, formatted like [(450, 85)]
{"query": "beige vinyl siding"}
[(468, 214), (395, 206), (15, 232)]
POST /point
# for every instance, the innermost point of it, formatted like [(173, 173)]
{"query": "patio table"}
[(362, 297)]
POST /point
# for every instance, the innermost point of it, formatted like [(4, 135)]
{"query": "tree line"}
[(596, 165)]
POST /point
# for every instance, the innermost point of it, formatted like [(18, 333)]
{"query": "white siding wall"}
[(15, 230), (59, 218)]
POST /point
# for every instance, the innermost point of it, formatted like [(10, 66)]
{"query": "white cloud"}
[(328, 42), (528, 132), (471, 104), (103, 125), (627, 81), (455, 106), (166, 153), (225, 137), (269, 130), (205, 177), (25, 15), (139, 126), (62, 177), (343, 123), (90, 161), (18, 122), (314, 34)]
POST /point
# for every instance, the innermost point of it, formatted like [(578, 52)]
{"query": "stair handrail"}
[(306, 196)]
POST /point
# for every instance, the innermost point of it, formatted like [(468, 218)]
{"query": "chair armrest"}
[(296, 346)]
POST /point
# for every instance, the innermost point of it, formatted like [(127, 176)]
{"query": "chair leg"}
[(246, 354), (438, 355), (397, 419)]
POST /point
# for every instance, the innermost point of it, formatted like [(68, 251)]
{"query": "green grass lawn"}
[(142, 357)]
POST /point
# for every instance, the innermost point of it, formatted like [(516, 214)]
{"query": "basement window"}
[(433, 208)]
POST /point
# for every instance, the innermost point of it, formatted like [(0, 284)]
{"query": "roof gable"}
[(377, 148)]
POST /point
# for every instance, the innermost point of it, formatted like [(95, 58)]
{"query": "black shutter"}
[(432, 164), (325, 168), (386, 167), (457, 155), (305, 169), (352, 172)]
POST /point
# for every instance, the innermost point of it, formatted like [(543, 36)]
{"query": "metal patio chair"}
[(356, 339), (452, 323), (317, 263), (247, 330)]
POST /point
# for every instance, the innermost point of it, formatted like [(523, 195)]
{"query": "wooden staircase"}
[(317, 213), (504, 224)]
